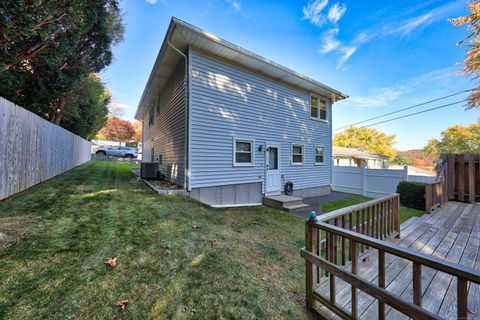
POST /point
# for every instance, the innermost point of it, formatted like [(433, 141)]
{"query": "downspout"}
[(185, 156)]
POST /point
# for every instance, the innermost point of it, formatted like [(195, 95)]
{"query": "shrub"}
[(412, 194)]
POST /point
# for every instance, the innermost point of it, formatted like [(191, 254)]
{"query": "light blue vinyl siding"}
[(167, 134), (229, 101)]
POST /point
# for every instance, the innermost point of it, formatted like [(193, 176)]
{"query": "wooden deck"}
[(451, 233)]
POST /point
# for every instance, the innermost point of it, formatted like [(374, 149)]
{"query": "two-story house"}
[(231, 126)]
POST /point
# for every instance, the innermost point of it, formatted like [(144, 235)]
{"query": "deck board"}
[(452, 233)]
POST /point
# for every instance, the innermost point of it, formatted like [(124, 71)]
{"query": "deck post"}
[(354, 302), (310, 242), (417, 283), (381, 282), (462, 298), (396, 215), (333, 292)]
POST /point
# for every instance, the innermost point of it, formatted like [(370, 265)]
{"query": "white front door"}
[(272, 175)]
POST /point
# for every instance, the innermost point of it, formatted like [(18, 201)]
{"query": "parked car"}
[(125, 152)]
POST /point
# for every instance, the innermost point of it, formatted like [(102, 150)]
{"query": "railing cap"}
[(363, 205)]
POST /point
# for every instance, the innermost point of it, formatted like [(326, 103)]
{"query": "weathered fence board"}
[(463, 176), (33, 150)]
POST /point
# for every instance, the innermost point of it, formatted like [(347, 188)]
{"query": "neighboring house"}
[(352, 157), (231, 126)]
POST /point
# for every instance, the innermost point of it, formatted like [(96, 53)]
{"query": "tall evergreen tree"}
[(48, 47)]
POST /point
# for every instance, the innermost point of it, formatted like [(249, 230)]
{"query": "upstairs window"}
[(243, 152), (158, 105), (318, 108), (151, 116), (297, 154), (319, 155)]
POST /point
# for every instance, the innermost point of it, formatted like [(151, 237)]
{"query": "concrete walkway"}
[(315, 203)]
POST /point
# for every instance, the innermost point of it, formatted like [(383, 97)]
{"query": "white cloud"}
[(406, 27), (313, 11), (434, 82), (336, 12), (119, 109), (155, 1), (347, 52), (330, 41), (378, 97), (235, 5)]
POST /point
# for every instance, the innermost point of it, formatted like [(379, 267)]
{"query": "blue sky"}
[(386, 55)]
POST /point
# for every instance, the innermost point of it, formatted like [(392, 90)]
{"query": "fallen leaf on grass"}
[(255, 222), (235, 222), (167, 252), (213, 243), (111, 262), (122, 304)]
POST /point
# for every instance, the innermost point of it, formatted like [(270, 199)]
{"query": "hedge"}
[(412, 194)]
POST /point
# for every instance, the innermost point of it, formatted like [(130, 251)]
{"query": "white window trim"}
[(242, 164), (291, 154), (315, 155), (149, 117), (310, 107)]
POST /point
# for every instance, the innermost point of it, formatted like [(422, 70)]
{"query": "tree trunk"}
[(57, 112)]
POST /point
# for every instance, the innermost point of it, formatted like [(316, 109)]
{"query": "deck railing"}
[(328, 235), (436, 194)]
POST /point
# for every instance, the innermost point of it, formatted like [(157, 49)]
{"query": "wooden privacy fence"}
[(462, 176), (33, 149), (458, 179), (327, 239)]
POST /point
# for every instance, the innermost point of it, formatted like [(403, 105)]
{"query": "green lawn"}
[(63, 230), (405, 213)]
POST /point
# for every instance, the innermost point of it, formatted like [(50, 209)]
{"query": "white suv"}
[(125, 152)]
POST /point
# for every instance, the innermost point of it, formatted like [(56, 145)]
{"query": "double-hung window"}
[(243, 152), (318, 108), (319, 155), (297, 154), (151, 116)]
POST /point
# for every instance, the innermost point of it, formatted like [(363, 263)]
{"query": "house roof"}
[(182, 35), (342, 152)]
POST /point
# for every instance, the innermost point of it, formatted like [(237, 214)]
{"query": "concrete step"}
[(280, 201), (290, 208)]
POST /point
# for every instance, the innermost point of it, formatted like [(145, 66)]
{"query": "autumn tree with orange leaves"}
[(471, 64), (137, 127), (117, 129)]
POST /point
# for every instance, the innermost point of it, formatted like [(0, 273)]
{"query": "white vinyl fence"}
[(373, 183), (33, 149)]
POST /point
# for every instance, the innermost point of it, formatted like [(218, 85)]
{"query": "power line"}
[(407, 108), (415, 113)]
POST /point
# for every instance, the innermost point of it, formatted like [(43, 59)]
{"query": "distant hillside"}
[(418, 158)]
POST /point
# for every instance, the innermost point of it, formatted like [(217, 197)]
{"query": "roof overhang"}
[(182, 35)]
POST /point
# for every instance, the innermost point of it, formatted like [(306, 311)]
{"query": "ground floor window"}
[(243, 152), (319, 155), (297, 154)]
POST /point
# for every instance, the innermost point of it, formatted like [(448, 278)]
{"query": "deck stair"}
[(284, 202)]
